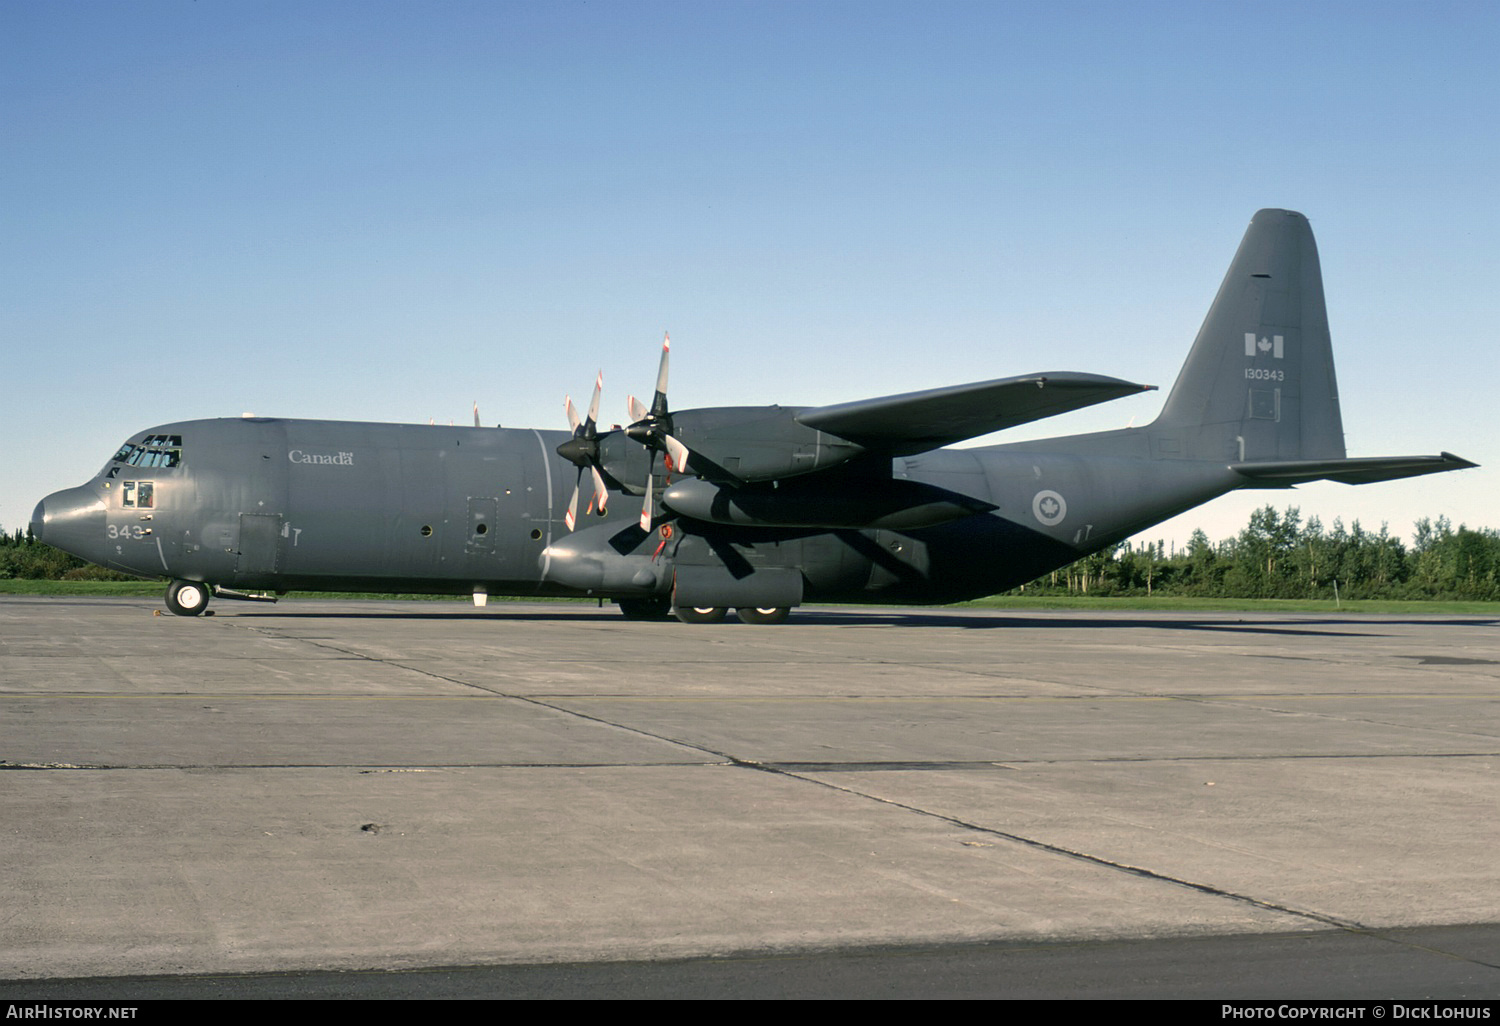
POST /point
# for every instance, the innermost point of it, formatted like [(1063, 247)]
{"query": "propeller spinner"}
[(582, 450)]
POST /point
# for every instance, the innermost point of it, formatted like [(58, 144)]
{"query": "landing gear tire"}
[(763, 614), (701, 614), (645, 609), (188, 598)]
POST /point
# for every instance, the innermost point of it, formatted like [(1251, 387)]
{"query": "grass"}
[(27, 586), (1243, 605), (155, 589), (135, 589)]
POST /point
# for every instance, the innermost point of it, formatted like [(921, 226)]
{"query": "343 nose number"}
[(129, 531)]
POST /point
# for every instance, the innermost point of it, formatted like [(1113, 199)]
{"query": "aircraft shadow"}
[(491, 614), (917, 619), (1008, 622)]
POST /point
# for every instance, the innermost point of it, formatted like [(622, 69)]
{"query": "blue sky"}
[(386, 211)]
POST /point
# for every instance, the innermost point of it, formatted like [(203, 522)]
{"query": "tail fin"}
[(1259, 383)]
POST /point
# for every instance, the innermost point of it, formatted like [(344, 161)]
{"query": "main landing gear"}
[(188, 598), (662, 609), (763, 614), (747, 614), (646, 608)]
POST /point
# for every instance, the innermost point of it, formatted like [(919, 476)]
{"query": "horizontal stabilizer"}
[(1287, 473), (918, 421)]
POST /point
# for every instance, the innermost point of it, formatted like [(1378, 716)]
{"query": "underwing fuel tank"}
[(893, 504)]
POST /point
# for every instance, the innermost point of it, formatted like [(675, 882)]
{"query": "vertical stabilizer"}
[(1259, 382)]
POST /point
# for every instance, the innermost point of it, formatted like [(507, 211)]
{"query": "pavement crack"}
[(1384, 936), (786, 771), (718, 757), (1320, 918)]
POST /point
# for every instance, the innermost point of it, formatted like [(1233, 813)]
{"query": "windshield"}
[(151, 451)]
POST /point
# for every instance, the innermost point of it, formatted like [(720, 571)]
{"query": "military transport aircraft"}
[(758, 509)]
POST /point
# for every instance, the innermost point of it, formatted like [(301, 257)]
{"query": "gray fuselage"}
[(264, 503)]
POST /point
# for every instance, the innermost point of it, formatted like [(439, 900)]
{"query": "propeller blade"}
[(601, 494), (594, 404), (677, 454), (638, 410), (573, 420), (661, 371), (646, 506), (571, 517), (476, 412)]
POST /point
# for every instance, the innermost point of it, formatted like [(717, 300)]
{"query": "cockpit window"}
[(152, 451), (138, 494)]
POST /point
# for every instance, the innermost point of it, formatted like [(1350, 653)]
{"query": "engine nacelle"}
[(592, 561), (736, 444)]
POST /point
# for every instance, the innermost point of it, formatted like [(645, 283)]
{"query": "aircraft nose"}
[(71, 520)]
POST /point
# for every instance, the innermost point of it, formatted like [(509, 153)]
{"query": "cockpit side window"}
[(138, 494)]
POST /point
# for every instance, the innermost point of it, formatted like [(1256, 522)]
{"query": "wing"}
[(918, 421), (1286, 474)]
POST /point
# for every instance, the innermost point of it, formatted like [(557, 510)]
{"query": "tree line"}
[(23, 557), (1276, 555)]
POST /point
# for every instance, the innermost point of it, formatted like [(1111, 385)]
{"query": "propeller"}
[(653, 429), (582, 450)]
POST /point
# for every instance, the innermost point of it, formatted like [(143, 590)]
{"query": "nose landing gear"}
[(188, 598)]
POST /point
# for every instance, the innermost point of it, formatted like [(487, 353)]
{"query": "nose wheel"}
[(188, 598)]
